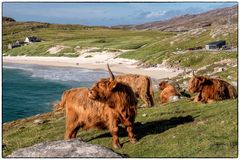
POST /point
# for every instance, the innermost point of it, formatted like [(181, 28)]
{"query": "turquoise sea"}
[(32, 89)]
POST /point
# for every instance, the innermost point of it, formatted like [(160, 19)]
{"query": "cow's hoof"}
[(133, 140), (117, 146)]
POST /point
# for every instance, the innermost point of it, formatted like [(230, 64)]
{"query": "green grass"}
[(179, 129), (163, 49), (197, 59), (229, 72), (147, 46)]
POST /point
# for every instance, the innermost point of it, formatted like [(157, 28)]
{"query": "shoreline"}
[(119, 65)]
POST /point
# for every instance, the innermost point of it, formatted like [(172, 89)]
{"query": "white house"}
[(32, 39)]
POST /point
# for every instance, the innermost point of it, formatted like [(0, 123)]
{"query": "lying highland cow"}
[(107, 104), (210, 89), (141, 85), (168, 92)]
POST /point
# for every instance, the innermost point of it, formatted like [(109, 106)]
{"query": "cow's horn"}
[(193, 73), (110, 72)]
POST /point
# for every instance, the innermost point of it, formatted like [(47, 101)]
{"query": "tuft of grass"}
[(178, 129)]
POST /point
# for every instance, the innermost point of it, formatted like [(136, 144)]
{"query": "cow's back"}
[(136, 82), (229, 91), (168, 93), (89, 112), (141, 86), (218, 90)]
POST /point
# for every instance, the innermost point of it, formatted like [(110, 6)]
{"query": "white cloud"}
[(155, 14)]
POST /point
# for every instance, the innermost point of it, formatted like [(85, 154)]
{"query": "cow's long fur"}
[(141, 85), (210, 89), (107, 104), (167, 92)]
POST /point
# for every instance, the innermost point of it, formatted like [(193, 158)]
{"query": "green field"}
[(178, 129), (149, 46)]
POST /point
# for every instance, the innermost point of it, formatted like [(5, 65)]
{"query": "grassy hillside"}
[(74, 35), (149, 46), (176, 46), (178, 129)]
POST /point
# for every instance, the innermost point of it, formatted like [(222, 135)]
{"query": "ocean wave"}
[(17, 67), (60, 73)]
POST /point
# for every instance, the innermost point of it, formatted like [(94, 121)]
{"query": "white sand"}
[(97, 60)]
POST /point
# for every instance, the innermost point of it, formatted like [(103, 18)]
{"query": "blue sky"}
[(107, 14)]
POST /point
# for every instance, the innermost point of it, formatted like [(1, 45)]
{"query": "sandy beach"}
[(97, 60)]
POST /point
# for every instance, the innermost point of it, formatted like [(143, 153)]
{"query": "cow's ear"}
[(112, 84)]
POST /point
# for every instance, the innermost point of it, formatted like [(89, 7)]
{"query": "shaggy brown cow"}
[(168, 92), (141, 85), (210, 89), (107, 104)]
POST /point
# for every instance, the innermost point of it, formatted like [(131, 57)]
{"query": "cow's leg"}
[(71, 125), (131, 135), (74, 134), (145, 99), (197, 98), (146, 102), (151, 100), (129, 126), (163, 98), (204, 99), (69, 131), (114, 130)]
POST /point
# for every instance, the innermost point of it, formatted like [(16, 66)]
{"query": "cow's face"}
[(195, 84), (102, 89), (162, 85)]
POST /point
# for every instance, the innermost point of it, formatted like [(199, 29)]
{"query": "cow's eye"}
[(102, 85)]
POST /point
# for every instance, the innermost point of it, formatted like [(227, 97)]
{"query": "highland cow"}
[(106, 105), (168, 92), (141, 85), (210, 89)]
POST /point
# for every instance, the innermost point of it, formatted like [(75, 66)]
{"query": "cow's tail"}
[(150, 89), (60, 105)]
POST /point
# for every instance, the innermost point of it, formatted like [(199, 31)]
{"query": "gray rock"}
[(62, 148), (39, 121), (173, 98), (219, 69), (234, 83), (229, 77)]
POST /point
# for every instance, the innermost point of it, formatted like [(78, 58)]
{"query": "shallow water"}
[(32, 89)]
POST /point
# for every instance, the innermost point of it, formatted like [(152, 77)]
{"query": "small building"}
[(13, 45), (215, 45), (20, 42), (32, 39)]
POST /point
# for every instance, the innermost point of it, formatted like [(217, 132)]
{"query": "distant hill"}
[(8, 19), (187, 22)]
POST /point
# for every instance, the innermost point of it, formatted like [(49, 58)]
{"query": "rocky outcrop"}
[(8, 19), (69, 148), (188, 22)]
